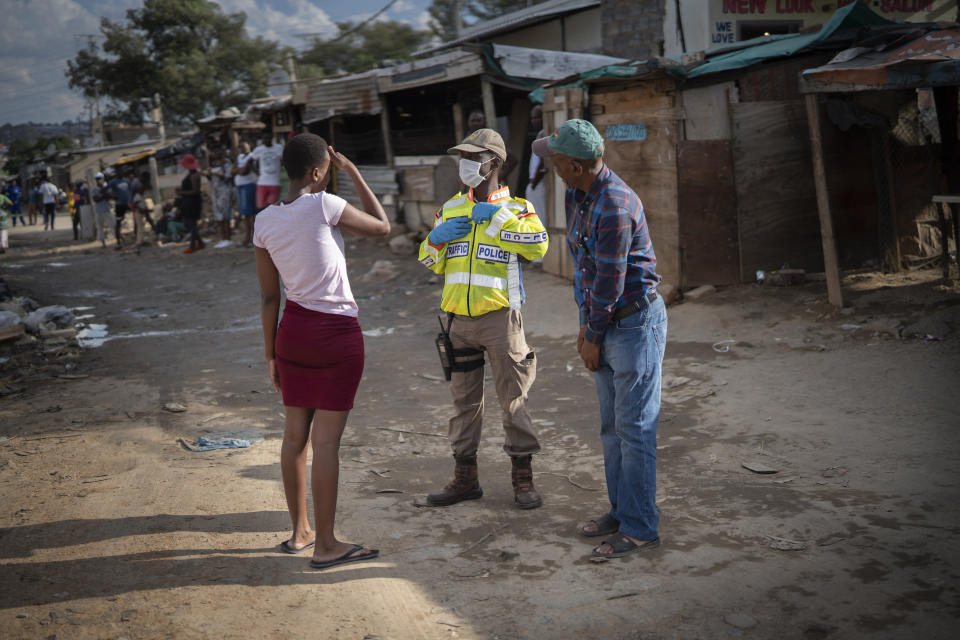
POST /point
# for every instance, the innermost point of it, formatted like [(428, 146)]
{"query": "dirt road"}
[(111, 529)]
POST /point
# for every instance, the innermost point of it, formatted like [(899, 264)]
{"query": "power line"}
[(43, 72), (365, 22), (45, 83), (389, 4), (36, 107), (6, 114), (357, 27), (38, 97), (35, 64), (43, 61), (39, 100), (51, 88)]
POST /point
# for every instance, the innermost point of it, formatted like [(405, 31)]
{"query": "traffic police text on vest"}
[(482, 270)]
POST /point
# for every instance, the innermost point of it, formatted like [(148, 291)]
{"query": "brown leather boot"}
[(465, 484), (524, 494)]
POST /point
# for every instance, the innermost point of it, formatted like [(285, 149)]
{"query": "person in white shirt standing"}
[(245, 179), (222, 183), (49, 194), (267, 157), (537, 169)]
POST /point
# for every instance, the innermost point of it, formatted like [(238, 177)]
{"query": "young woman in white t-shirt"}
[(315, 357)]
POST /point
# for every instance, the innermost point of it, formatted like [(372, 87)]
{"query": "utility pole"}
[(457, 16), (157, 116), (96, 124), (292, 72)]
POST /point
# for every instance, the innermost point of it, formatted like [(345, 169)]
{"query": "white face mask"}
[(470, 172)]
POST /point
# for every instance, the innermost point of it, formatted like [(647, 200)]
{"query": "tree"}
[(197, 58), (22, 151), (362, 47), (443, 18), (443, 13)]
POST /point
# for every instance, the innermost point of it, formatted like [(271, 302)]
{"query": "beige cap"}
[(482, 140)]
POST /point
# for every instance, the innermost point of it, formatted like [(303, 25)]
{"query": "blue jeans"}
[(247, 199), (628, 388)]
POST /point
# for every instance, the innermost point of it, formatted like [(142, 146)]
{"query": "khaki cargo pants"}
[(514, 367)]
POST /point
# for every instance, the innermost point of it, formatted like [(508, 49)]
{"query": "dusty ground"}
[(110, 529)]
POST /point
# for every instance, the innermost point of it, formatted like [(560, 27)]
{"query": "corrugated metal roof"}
[(514, 20), (382, 181), (106, 156), (442, 67), (136, 156), (930, 60), (224, 117), (267, 105), (350, 95)]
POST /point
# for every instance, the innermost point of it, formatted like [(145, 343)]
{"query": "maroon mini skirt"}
[(319, 358)]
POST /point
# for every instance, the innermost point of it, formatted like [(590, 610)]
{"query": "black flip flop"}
[(345, 558), (606, 524), (622, 546), (286, 548)]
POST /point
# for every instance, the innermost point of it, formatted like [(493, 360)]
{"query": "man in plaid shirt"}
[(623, 330)]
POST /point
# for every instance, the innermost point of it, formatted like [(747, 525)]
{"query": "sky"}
[(39, 36)]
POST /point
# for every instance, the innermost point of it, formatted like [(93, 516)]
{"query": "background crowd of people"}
[(240, 185)]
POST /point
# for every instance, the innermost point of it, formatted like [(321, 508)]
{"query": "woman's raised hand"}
[(341, 161)]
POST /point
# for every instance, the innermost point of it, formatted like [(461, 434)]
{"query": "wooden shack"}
[(903, 91), (719, 152)]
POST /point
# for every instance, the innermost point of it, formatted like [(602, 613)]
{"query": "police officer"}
[(478, 241)]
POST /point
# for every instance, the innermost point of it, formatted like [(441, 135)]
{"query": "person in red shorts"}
[(267, 157), (315, 357)]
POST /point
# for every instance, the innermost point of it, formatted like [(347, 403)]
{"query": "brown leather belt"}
[(628, 310)]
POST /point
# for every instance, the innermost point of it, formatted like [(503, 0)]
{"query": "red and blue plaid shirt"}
[(614, 263)]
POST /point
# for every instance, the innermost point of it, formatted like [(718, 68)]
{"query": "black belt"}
[(628, 310)]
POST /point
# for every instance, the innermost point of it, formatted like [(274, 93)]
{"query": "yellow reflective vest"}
[(481, 270)]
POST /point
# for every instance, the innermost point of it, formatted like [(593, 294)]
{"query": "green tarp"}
[(851, 16)]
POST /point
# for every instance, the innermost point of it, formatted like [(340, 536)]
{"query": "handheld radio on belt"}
[(455, 359), (444, 349)]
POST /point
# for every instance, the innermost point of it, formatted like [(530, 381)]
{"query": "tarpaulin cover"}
[(851, 16)]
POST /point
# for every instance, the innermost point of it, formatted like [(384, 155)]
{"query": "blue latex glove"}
[(483, 211), (452, 229)]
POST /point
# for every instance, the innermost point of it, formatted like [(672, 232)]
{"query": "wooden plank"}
[(707, 207), (518, 123), (426, 71), (458, 129), (12, 333), (554, 114), (551, 261), (707, 113), (834, 292), (489, 107), (639, 104), (385, 130), (649, 167), (894, 240), (647, 95), (559, 105), (775, 191)]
